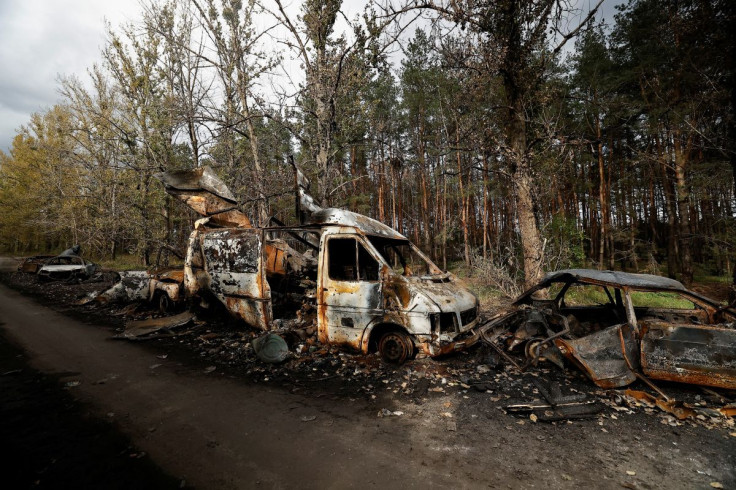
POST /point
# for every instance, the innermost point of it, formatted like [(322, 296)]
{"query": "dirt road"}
[(214, 432), (217, 431)]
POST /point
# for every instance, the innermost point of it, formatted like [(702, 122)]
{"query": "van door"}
[(349, 293), (236, 272)]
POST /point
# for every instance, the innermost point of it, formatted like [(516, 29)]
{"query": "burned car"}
[(65, 268), (617, 327)]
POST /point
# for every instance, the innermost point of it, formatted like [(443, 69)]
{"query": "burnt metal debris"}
[(32, 264), (157, 327), (619, 327), (557, 406), (365, 285)]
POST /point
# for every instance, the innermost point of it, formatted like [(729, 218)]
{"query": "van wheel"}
[(165, 305), (395, 347)]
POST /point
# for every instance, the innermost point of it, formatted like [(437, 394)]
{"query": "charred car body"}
[(617, 327), (66, 267), (366, 285)]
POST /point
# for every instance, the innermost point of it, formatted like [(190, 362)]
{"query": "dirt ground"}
[(448, 414), (50, 440)]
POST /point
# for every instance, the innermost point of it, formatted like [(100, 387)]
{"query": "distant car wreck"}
[(66, 267), (617, 327)]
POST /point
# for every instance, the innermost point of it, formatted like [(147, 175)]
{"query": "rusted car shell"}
[(64, 267), (229, 259), (413, 303), (699, 348)]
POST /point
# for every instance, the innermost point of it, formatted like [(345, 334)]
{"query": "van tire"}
[(395, 347), (165, 305)]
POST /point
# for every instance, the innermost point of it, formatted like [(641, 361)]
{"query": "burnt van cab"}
[(365, 285)]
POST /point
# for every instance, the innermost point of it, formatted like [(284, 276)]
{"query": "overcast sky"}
[(43, 39)]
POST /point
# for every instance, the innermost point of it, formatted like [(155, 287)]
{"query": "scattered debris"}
[(145, 329), (271, 348), (555, 406)]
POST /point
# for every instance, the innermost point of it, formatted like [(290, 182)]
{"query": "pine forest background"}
[(516, 136)]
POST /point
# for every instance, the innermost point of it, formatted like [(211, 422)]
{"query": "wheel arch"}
[(374, 332)]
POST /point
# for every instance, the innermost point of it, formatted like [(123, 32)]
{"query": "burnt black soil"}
[(50, 440)]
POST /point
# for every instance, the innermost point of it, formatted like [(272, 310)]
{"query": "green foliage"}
[(429, 146), (564, 242)]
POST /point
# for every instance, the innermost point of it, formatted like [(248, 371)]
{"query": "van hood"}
[(445, 292)]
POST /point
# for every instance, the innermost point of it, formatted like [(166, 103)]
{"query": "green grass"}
[(594, 295), (584, 296), (661, 300), (721, 279), (132, 262)]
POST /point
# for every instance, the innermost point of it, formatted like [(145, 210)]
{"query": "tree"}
[(510, 38)]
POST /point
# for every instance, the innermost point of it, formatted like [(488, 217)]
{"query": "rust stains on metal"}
[(361, 300), (627, 336), (674, 407), (689, 354), (205, 193)]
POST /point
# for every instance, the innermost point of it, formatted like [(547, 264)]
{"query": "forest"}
[(510, 137)]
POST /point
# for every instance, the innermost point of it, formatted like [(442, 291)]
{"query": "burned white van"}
[(368, 285)]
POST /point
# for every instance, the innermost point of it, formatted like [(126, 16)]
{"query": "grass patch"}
[(583, 295), (661, 300), (133, 262), (719, 279)]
